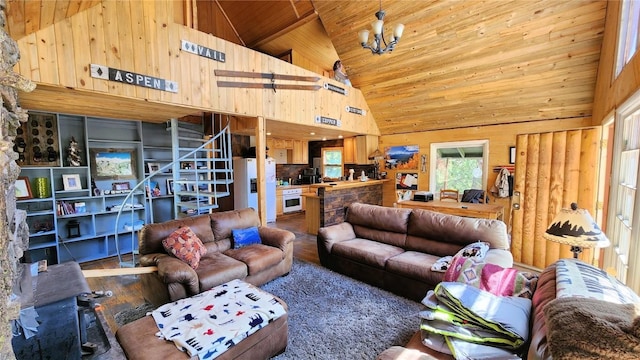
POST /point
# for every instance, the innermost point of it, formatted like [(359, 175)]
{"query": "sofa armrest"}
[(499, 257), (330, 235), (275, 237), (173, 270)]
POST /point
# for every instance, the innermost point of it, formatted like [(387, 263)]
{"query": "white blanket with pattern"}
[(209, 323)]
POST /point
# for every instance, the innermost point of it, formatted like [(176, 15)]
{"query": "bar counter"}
[(326, 202)]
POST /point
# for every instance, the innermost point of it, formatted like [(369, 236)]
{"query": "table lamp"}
[(575, 227), (376, 156)]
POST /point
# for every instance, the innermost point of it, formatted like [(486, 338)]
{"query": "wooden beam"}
[(119, 271)]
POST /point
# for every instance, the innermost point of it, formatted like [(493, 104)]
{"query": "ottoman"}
[(139, 341)]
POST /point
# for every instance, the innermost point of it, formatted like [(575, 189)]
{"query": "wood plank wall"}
[(553, 170), (142, 37), (500, 137)]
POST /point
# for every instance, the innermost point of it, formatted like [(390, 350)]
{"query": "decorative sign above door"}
[(328, 121), (128, 77), (334, 88), (355, 110)]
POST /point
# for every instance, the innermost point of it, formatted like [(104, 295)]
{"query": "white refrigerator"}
[(245, 185)]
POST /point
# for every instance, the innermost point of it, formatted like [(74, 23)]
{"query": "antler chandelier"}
[(378, 35)]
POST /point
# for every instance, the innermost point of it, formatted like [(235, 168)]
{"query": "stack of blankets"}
[(470, 323)]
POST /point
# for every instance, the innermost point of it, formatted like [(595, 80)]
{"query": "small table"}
[(482, 211)]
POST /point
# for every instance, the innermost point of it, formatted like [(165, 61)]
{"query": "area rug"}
[(332, 316)]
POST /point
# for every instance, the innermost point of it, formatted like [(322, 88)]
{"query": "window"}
[(332, 163), (623, 216), (458, 165), (628, 37)]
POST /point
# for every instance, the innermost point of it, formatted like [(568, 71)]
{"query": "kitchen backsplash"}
[(291, 171)]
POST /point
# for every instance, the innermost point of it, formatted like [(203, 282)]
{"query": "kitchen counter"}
[(340, 185), (326, 202)]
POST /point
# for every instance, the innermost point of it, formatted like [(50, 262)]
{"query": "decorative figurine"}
[(73, 153)]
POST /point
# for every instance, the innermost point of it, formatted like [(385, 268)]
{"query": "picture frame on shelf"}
[(120, 186), (113, 164), (153, 167), (169, 186), (512, 154), (23, 188), (71, 182)]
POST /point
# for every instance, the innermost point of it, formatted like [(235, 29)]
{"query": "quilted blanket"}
[(461, 312), (211, 322)]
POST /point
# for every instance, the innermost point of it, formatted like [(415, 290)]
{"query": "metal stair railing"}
[(214, 153)]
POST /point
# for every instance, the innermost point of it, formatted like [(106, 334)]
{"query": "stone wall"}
[(333, 203), (14, 233)]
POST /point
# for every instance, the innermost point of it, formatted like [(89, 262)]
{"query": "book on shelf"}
[(64, 208), (80, 207)]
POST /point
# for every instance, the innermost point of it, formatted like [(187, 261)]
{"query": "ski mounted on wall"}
[(271, 76), (272, 86)]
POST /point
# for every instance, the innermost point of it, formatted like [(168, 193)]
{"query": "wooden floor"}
[(127, 292)]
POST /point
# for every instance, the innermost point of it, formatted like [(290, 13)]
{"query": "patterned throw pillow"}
[(185, 245), (244, 237), (476, 251), (442, 264), (492, 278)]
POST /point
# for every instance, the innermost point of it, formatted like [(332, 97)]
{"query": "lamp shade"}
[(576, 227), (376, 155), (363, 35), (397, 32)]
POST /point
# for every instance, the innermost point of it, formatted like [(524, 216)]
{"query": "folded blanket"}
[(584, 328), (470, 314)]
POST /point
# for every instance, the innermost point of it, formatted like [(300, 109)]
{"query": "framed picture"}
[(71, 182), (120, 186), (114, 164), (23, 188), (512, 154), (169, 186), (151, 167)]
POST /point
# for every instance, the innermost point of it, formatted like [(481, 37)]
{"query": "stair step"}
[(195, 206), (217, 194)]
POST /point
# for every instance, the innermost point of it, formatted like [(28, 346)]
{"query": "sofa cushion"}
[(257, 257), (415, 265), (184, 244), (151, 235), (217, 268), (244, 237), (442, 234), (365, 251), (223, 222), (383, 224)]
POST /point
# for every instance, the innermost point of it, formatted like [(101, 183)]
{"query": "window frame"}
[(325, 165), (453, 144), (628, 36)]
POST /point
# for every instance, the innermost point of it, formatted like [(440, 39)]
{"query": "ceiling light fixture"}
[(378, 35)]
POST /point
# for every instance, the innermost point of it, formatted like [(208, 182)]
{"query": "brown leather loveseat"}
[(394, 248), (255, 264)]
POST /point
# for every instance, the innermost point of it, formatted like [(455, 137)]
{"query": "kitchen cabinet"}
[(279, 210), (349, 150), (289, 151), (356, 150), (300, 153)]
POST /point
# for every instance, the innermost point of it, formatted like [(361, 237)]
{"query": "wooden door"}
[(552, 171)]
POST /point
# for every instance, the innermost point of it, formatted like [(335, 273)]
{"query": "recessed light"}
[(268, 133), (324, 139), (339, 136), (312, 133)]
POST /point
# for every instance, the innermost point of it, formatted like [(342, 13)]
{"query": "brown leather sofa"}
[(255, 264), (394, 248)]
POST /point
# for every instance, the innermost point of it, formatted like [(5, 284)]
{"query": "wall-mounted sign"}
[(328, 121), (202, 51), (334, 88), (355, 110), (128, 77)]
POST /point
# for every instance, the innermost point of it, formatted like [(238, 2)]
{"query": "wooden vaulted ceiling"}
[(459, 64)]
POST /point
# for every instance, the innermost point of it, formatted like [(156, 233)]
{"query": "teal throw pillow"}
[(244, 237)]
